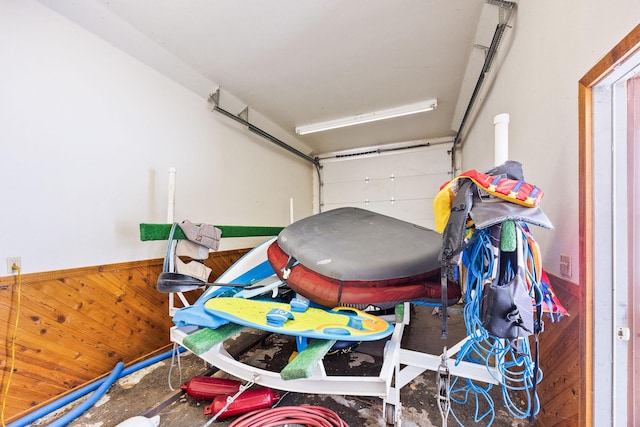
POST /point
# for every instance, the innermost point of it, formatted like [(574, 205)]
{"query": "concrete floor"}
[(147, 391)]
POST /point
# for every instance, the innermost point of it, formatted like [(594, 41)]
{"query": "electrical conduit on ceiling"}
[(491, 53), (215, 98), (509, 6)]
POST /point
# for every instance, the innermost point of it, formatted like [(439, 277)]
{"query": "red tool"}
[(207, 388), (246, 402)]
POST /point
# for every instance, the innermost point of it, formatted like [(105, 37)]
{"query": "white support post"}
[(171, 216), (291, 210), (171, 206), (501, 142)]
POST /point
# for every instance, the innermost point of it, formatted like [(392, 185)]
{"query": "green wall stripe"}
[(161, 231)]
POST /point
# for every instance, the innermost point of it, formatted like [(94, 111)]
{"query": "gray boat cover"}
[(353, 244)]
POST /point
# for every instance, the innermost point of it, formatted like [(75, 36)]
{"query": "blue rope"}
[(167, 262), (513, 359), (470, 389)]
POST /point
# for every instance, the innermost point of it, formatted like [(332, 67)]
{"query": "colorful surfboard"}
[(340, 323)]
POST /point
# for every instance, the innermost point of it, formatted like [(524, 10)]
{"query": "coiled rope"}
[(307, 415), (512, 359)]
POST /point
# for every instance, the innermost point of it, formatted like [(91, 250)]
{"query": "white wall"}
[(550, 48), (87, 135)]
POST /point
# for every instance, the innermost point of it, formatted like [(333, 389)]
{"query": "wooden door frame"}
[(627, 47)]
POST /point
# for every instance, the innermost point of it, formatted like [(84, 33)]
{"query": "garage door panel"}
[(400, 184), (397, 164), (418, 212)]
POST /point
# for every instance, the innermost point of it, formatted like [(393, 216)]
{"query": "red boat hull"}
[(381, 294)]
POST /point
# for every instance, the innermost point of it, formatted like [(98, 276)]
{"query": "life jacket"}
[(501, 190)]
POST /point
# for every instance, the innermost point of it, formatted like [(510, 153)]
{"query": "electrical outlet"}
[(11, 261), (565, 265)]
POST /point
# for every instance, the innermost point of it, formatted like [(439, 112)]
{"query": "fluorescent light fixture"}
[(405, 110)]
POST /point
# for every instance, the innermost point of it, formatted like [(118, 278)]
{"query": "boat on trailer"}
[(386, 264)]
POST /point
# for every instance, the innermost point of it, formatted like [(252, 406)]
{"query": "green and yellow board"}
[(340, 323)]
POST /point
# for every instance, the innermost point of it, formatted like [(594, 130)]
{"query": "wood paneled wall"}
[(75, 325), (562, 361)]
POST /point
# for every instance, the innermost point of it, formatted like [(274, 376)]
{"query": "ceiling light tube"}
[(405, 110)]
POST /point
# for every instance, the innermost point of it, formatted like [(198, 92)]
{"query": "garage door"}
[(400, 184)]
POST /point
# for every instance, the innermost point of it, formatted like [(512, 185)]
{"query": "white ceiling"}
[(298, 62)]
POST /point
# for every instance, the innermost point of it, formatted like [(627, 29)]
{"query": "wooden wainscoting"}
[(75, 325), (562, 361)]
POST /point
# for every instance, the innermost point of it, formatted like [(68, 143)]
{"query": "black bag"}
[(506, 307)]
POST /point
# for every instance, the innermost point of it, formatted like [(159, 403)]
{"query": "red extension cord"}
[(307, 415)]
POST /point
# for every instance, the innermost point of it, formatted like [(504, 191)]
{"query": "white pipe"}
[(501, 142), (171, 216), (291, 210), (171, 207)]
